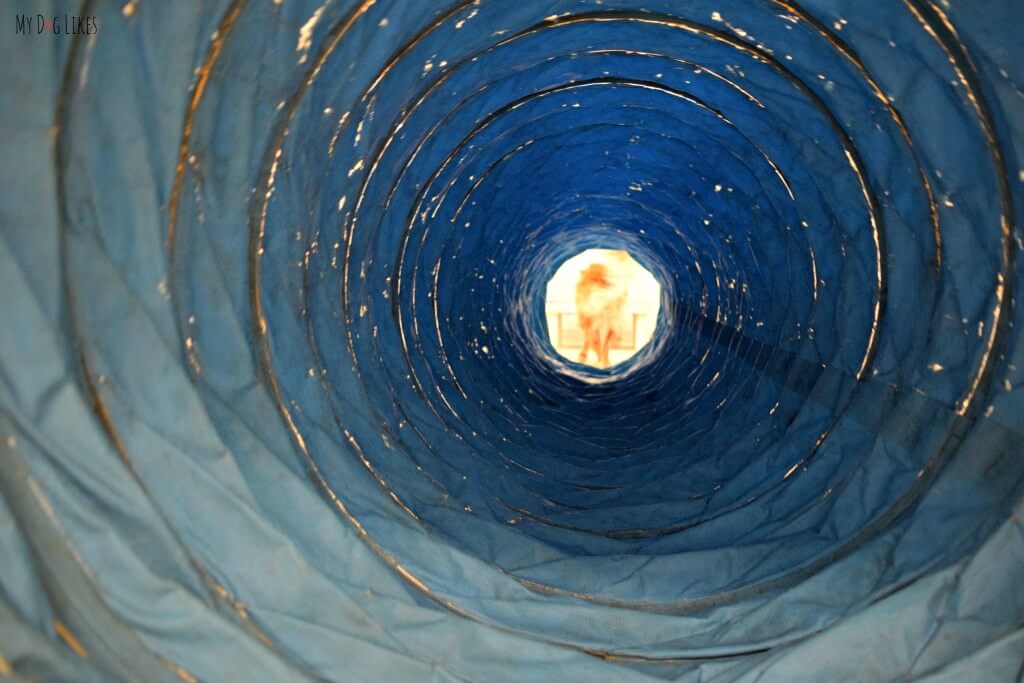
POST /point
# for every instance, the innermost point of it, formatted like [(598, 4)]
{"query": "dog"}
[(600, 298)]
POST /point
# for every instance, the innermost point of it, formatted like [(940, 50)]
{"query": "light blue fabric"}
[(277, 400)]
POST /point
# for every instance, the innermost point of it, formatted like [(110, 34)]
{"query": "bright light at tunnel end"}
[(601, 308)]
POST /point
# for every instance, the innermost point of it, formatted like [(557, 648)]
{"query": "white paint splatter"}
[(306, 34)]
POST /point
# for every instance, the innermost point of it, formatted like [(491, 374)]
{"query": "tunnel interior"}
[(284, 370)]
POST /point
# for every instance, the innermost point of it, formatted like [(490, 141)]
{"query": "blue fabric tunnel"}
[(279, 399)]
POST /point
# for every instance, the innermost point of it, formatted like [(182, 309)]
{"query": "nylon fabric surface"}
[(278, 399)]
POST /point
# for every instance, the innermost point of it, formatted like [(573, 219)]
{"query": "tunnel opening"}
[(601, 307)]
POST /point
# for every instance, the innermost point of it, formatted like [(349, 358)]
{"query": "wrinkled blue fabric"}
[(277, 399)]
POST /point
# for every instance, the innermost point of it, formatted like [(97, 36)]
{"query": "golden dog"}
[(599, 302)]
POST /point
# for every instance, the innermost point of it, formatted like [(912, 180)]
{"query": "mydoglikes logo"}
[(60, 25)]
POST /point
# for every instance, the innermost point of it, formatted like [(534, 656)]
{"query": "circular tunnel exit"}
[(601, 307)]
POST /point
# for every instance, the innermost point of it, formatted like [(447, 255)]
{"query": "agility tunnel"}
[(279, 399)]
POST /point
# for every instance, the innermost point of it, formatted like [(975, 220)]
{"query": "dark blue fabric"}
[(278, 402)]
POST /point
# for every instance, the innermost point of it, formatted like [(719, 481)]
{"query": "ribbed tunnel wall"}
[(278, 400)]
